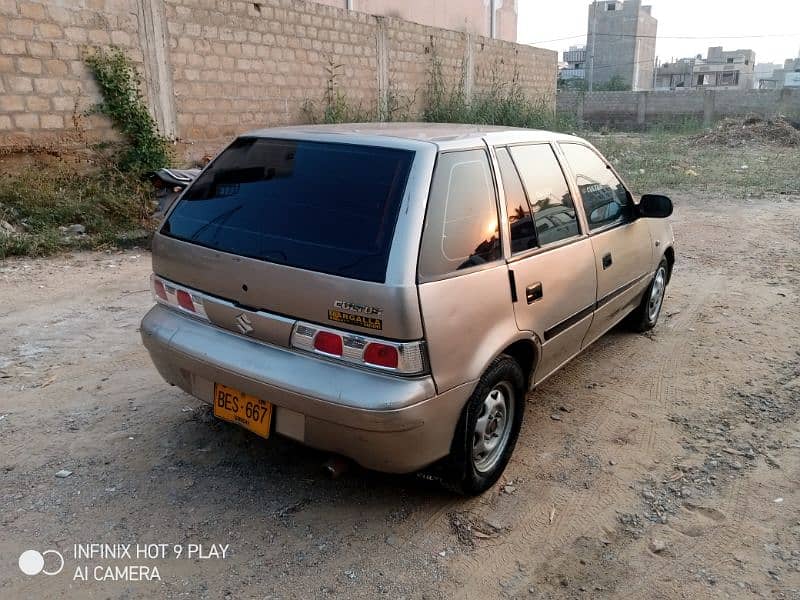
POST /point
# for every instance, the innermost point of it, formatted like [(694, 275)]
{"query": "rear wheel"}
[(488, 429), (646, 315)]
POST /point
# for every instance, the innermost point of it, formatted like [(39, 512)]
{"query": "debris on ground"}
[(467, 528), (75, 229), (63, 473), (736, 132), (292, 508), (7, 228)]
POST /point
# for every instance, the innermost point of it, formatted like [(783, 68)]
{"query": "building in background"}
[(575, 64), (489, 18), (675, 75), (787, 76), (764, 71), (621, 44), (734, 69), (721, 69)]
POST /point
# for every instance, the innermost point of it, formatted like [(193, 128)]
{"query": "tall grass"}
[(501, 103), (38, 201)]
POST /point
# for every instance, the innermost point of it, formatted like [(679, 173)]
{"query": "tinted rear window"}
[(319, 206)]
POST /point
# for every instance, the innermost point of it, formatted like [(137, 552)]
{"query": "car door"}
[(551, 262), (621, 243), (463, 278)]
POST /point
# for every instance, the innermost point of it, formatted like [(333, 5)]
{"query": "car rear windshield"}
[(325, 207)]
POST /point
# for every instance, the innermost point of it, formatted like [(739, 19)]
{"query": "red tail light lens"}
[(185, 300), (158, 288), (401, 358), (381, 355), (328, 342)]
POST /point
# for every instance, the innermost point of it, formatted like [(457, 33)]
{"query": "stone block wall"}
[(44, 82), (639, 110), (214, 68)]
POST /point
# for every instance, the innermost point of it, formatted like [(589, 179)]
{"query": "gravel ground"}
[(671, 471)]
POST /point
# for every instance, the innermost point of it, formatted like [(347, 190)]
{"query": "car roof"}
[(442, 134)]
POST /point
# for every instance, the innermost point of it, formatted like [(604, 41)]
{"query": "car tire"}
[(488, 428), (646, 314)]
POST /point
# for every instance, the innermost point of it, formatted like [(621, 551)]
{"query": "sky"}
[(770, 27)]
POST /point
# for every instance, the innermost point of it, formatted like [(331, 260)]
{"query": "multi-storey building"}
[(575, 59), (621, 44)]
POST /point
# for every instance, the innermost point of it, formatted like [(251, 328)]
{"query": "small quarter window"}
[(550, 201), (461, 226)]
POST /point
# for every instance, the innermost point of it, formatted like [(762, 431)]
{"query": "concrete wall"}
[(468, 16), (624, 45), (214, 68), (638, 110)]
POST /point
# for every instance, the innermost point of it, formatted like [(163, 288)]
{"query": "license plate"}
[(242, 409)]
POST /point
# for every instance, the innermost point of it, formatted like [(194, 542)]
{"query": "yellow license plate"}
[(237, 407)]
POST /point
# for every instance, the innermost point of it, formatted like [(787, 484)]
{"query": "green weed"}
[(145, 148)]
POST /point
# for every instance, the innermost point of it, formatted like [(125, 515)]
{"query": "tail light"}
[(328, 343), (159, 290), (185, 300), (381, 355), (173, 295), (406, 358)]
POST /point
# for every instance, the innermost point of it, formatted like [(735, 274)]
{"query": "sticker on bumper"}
[(359, 320)]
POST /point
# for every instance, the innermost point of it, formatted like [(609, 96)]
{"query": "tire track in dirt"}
[(721, 532), (587, 512)]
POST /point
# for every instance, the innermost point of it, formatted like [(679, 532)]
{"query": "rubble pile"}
[(735, 132)]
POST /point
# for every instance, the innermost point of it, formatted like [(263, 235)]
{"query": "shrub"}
[(145, 148)]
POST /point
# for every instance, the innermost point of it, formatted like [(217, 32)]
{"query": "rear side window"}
[(324, 207), (523, 234), (605, 199), (461, 226), (551, 203)]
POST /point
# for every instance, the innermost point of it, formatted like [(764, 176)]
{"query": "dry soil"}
[(664, 465)]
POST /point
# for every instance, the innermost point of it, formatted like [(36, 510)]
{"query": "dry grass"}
[(664, 161), (41, 193)]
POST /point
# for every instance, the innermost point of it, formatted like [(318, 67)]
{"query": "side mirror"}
[(654, 206)]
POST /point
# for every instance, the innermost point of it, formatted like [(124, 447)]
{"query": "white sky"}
[(775, 22)]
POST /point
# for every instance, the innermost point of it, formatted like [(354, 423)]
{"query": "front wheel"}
[(488, 429), (646, 314)]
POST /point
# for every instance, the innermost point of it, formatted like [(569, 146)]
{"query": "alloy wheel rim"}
[(493, 427), (656, 294)]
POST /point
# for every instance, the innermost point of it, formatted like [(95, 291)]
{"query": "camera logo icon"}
[(31, 562)]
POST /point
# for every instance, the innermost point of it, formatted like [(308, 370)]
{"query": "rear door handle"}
[(607, 261), (534, 292)]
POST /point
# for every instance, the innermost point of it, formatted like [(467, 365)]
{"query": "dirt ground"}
[(664, 465)]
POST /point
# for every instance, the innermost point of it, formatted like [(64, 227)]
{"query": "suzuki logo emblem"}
[(244, 324)]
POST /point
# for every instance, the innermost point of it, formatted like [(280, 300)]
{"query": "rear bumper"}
[(385, 423)]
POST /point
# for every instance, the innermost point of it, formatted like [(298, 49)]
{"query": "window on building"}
[(605, 199), (461, 227), (548, 195), (729, 78), (730, 61)]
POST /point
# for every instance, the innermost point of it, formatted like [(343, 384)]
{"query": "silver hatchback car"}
[(391, 292)]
